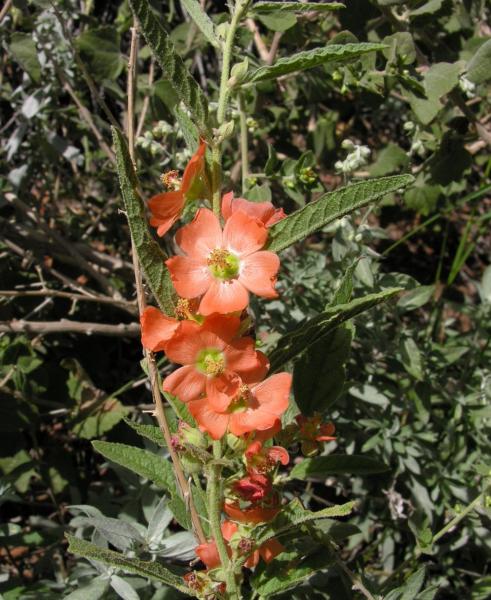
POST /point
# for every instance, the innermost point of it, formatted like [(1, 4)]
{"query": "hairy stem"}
[(140, 293), (244, 147), (214, 493), (223, 95)]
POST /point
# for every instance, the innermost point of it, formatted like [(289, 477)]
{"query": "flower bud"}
[(238, 72), (235, 443), (191, 435)]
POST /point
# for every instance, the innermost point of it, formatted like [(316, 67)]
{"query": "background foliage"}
[(414, 391)]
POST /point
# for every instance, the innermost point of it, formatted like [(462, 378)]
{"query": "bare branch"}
[(68, 326)]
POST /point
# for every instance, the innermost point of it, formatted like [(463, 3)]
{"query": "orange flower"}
[(254, 488), (264, 211), (167, 207), (208, 552), (157, 329), (251, 408), (215, 361), (253, 514), (261, 460), (223, 266)]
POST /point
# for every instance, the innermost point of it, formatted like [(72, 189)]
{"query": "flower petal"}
[(243, 234), (256, 514), (201, 236), (157, 329), (258, 273), (208, 420), (221, 390), (186, 383), (186, 344), (250, 420), (208, 554), (243, 358), (224, 297), (190, 277), (194, 168), (224, 326), (165, 209), (270, 549), (273, 393), (264, 211)]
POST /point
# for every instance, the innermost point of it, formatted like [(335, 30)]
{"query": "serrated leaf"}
[(311, 331), (152, 570), (319, 374), (332, 206), (266, 7), (150, 466), (149, 253), (173, 67), (479, 66), (288, 571), (309, 59), (151, 432), (202, 20), (294, 514), (337, 464)]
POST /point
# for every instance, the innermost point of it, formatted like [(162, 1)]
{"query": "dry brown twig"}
[(152, 367), (69, 326)]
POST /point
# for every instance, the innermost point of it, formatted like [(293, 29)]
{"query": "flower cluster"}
[(222, 377)]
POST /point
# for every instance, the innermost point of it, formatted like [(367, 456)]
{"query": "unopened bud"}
[(238, 72)]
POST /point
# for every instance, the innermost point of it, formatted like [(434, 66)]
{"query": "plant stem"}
[(214, 493), (223, 94), (140, 294), (244, 147)]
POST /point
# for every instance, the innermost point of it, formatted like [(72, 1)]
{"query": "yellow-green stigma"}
[(222, 264), (211, 362)]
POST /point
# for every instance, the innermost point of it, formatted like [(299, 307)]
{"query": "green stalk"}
[(214, 493), (244, 147), (237, 15)]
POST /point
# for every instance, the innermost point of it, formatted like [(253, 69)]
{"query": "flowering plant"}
[(235, 424)]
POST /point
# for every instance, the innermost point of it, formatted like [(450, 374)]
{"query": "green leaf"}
[(414, 584), (202, 20), (345, 288), (150, 466), (149, 253), (151, 432), (319, 374), (294, 514), (311, 331), (173, 67), (266, 7), (311, 58), (100, 51), (278, 21), (189, 131), (331, 206), (94, 590), (152, 570), (479, 66), (337, 464), (411, 358), (390, 159), (415, 298), (24, 51), (288, 571)]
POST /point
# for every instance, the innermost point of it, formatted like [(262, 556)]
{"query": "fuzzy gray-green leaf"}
[(332, 206), (266, 7), (152, 570), (149, 253), (202, 20), (173, 67), (311, 58)]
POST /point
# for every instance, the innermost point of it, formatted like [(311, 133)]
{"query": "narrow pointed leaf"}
[(151, 432), (266, 7), (332, 206), (152, 570), (337, 464), (202, 20), (309, 332), (173, 67), (150, 466), (309, 59), (294, 514), (149, 253)]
